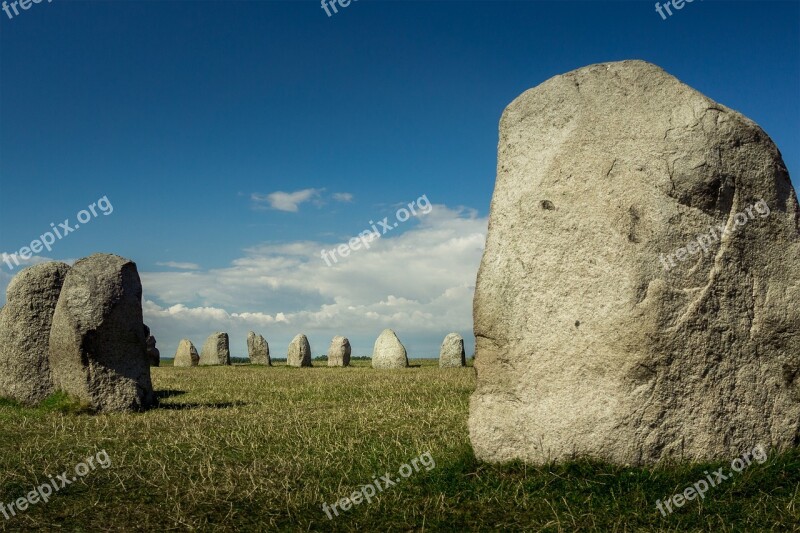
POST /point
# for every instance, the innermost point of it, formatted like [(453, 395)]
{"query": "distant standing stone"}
[(299, 352), (215, 350), (25, 322), (258, 349), (97, 346), (389, 352), (339, 352), (186, 355), (452, 352), (153, 354)]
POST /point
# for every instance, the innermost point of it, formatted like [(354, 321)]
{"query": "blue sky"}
[(191, 118)]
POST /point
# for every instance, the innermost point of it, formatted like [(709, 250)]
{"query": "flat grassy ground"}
[(248, 448)]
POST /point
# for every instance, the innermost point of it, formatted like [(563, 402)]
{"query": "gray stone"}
[(215, 350), (591, 340), (389, 352), (25, 323), (153, 353), (258, 349), (452, 353), (339, 352), (299, 352), (186, 354), (97, 348)]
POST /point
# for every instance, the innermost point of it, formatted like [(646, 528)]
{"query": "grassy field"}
[(247, 448)]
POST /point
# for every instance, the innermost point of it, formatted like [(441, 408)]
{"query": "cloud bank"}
[(419, 283)]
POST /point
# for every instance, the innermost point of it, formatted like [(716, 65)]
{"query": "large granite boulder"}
[(389, 352), (25, 323), (299, 352), (339, 352), (258, 349), (639, 294), (97, 350), (186, 354), (215, 350), (452, 353)]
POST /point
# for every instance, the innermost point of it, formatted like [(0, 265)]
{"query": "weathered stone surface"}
[(215, 350), (589, 342), (452, 352), (97, 350), (339, 352), (153, 353), (186, 354), (299, 352), (258, 349), (389, 352), (25, 323)]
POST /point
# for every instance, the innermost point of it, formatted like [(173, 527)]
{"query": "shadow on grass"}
[(169, 393), (61, 402), (186, 406), (516, 496)]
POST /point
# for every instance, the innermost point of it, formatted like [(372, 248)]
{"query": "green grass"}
[(246, 448), (58, 402)]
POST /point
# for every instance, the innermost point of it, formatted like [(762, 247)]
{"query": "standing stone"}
[(97, 345), (299, 352), (186, 354), (452, 352), (25, 322), (153, 353), (594, 337), (389, 352), (215, 350), (258, 349), (339, 352)]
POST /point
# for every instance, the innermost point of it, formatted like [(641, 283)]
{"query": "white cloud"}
[(419, 283), (17, 263), (181, 266), (284, 201), (343, 196)]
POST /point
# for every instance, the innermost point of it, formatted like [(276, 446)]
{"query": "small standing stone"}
[(389, 352), (299, 352), (339, 352), (258, 349), (452, 352), (186, 355), (153, 354), (215, 350)]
